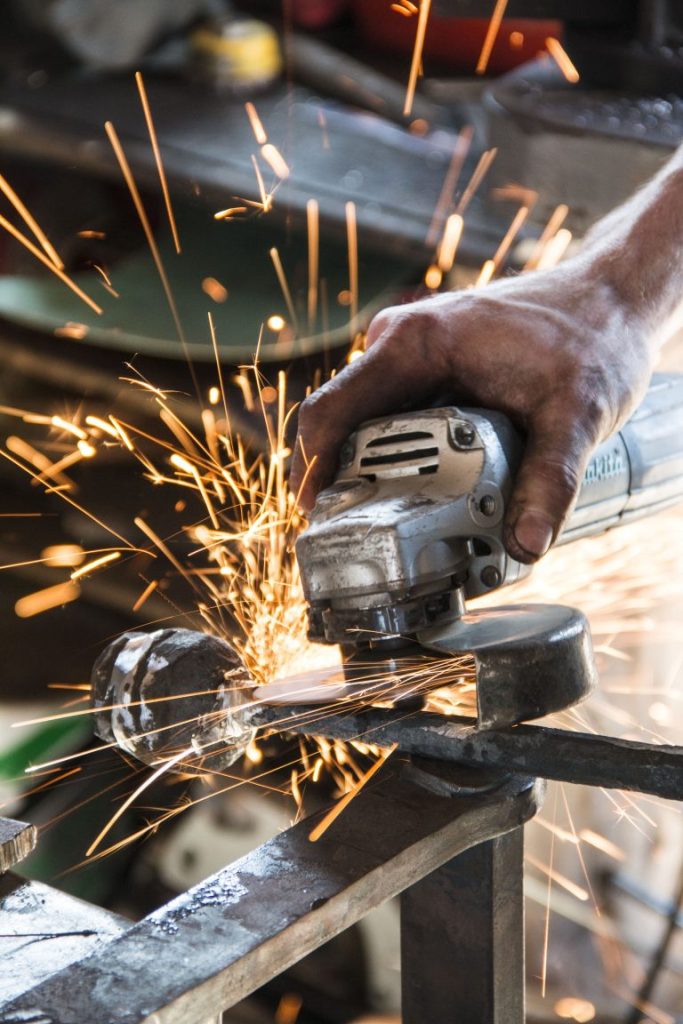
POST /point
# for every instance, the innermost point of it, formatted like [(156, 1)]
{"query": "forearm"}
[(637, 249)]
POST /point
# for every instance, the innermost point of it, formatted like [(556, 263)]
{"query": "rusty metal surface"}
[(462, 946), (576, 757), (17, 839), (232, 933), (42, 930)]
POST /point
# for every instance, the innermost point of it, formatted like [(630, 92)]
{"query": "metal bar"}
[(575, 757), (17, 839), (462, 939), (226, 937)]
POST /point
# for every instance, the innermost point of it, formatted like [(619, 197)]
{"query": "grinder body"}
[(413, 524)]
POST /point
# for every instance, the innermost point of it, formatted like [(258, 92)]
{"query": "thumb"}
[(546, 487)]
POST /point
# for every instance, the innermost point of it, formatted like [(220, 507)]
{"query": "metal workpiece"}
[(44, 930), (232, 933), (464, 924), (577, 757), (17, 840)]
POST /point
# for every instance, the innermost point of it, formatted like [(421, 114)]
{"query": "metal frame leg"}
[(462, 939)]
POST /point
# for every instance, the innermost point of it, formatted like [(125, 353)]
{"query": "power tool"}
[(408, 532)]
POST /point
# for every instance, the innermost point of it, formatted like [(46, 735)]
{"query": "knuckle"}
[(563, 475)]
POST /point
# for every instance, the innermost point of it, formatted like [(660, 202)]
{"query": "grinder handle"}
[(638, 470)]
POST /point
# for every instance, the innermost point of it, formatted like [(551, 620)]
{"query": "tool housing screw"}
[(490, 576), (487, 505), (464, 435)]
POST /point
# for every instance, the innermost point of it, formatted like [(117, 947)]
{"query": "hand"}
[(557, 351)]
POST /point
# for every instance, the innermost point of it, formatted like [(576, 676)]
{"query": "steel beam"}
[(462, 939), (212, 946)]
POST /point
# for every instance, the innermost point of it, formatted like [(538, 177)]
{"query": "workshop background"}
[(289, 134)]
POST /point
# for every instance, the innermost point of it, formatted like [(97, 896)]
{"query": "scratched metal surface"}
[(229, 935)]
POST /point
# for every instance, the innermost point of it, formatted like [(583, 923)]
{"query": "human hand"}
[(556, 350)]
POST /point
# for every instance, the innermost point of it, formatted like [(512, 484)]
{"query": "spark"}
[(157, 158), (43, 600), (334, 813), (555, 249), (31, 222), (289, 1008), (488, 269), (214, 289), (151, 241), (450, 241), (286, 294), (572, 1008), (516, 40), (420, 32), (433, 277), (71, 428), (313, 234), (97, 563), (230, 212), (275, 160), (149, 589), (461, 148), (478, 175), (510, 235), (562, 59), (23, 240), (72, 330), (491, 35), (555, 222), (256, 124), (63, 556), (275, 323), (352, 250)]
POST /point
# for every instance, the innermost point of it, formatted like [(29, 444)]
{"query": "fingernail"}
[(533, 532)]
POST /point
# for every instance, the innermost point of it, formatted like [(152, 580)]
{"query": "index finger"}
[(397, 369)]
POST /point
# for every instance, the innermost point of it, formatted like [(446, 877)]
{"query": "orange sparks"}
[(571, 1008), (416, 63), (332, 815), (287, 295), (229, 213), (23, 240), (478, 175), (289, 1008), (97, 563), (488, 269), (214, 289), (449, 243), (433, 277), (71, 330), (149, 589), (43, 600), (510, 235), (555, 249), (491, 35), (460, 151), (256, 124), (146, 227), (275, 160), (63, 556), (516, 40), (157, 157), (352, 245), (555, 222), (30, 222), (312, 224), (562, 59)]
